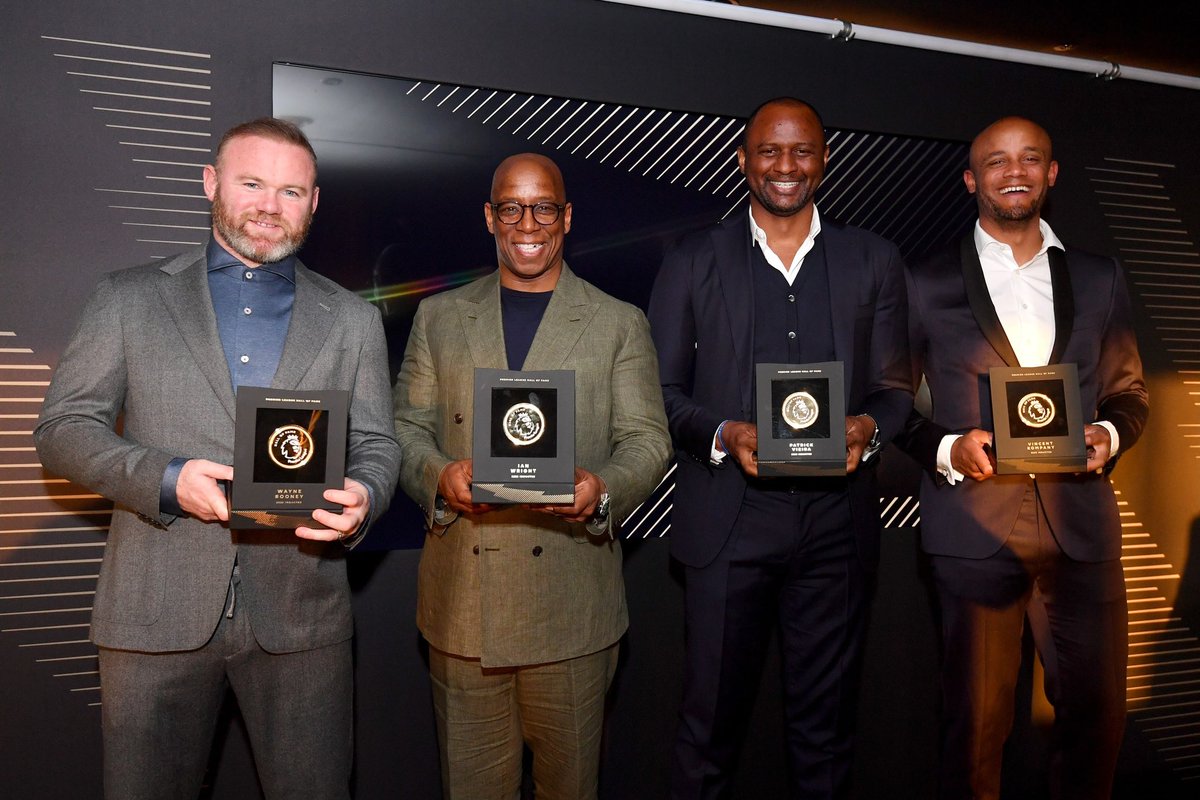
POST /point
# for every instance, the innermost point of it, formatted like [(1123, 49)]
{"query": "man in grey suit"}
[(185, 607), (523, 606)]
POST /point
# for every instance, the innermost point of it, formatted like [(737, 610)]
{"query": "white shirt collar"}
[(984, 240), (759, 237)]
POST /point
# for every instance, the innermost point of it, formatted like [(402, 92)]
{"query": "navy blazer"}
[(702, 320), (956, 337)]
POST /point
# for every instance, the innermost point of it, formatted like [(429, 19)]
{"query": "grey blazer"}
[(147, 351), (512, 586)]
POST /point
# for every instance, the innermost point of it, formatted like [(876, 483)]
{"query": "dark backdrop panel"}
[(68, 214)]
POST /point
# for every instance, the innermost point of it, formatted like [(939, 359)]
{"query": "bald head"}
[(784, 104), (991, 140), (528, 165)]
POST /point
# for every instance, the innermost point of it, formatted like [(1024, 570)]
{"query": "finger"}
[(317, 534)]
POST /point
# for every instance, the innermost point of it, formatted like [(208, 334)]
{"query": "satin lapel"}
[(566, 318), (732, 256), (1064, 302), (189, 302), (981, 302), (480, 317), (313, 311)]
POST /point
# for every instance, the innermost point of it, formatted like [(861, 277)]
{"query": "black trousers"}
[(1077, 612), (790, 564)]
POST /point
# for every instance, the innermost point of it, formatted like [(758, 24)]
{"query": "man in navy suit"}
[(1007, 547), (779, 284)]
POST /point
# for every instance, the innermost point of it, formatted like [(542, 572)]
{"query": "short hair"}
[(781, 99), (279, 130)]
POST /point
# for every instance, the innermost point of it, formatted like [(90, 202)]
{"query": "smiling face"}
[(1011, 173), (530, 255), (263, 194), (783, 158)]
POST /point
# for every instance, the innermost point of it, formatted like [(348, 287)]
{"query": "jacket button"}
[(537, 551), (458, 418), (475, 549)]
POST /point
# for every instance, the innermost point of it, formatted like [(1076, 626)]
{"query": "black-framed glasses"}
[(511, 213)]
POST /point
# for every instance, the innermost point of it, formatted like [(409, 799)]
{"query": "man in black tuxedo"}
[(780, 284), (1007, 547)]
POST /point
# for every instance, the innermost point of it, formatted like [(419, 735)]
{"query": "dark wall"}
[(58, 234)]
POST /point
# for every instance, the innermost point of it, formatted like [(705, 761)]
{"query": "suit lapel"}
[(566, 318), (479, 314), (1064, 302), (981, 302), (840, 267), (313, 311), (187, 298), (732, 257)]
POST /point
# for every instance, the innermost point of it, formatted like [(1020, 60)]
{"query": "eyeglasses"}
[(543, 213)]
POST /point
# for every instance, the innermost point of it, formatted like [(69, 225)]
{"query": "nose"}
[(527, 222), (268, 203), (786, 161)]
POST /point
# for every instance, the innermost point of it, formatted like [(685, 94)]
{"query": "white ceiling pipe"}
[(839, 29)]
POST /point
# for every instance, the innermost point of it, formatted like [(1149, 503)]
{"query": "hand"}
[(741, 442), (859, 431), (199, 494), (1099, 446), (588, 488), (454, 485), (968, 456), (355, 503)]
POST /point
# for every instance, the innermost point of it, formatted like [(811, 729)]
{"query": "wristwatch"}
[(599, 520)]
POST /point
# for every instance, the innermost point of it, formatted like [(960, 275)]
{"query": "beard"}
[(233, 230), (791, 206), (1017, 213)]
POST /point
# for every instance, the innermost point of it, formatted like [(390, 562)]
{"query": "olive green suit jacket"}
[(516, 587)]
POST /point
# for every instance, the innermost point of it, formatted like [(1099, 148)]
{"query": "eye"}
[(250, 184), (768, 151), (291, 193)]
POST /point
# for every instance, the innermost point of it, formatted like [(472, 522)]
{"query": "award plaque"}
[(289, 447), (523, 450), (801, 419), (1038, 420)]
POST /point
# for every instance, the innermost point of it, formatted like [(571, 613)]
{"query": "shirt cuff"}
[(1112, 432), (168, 501), (951, 475), (716, 456)]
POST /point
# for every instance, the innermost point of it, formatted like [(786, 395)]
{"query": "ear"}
[(1052, 173), (969, 180), (567, 219), (741, 155), (316, 193), (825, 161), (210, 182), (487, 218)]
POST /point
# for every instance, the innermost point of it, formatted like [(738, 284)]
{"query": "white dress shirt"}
[(1023, 296)]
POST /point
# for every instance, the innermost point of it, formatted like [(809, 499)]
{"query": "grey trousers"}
[(160, 710)]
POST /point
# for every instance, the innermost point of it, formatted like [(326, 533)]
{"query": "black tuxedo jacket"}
[(702, 321), (956, 336)]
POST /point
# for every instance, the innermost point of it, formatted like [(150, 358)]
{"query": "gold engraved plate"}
[(1036, 410), (800, 410), (290, 446), (524, 424)]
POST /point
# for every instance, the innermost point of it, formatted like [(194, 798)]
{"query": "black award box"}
[(289, 447), (523, 445), (1037, 419), (801, 419)]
